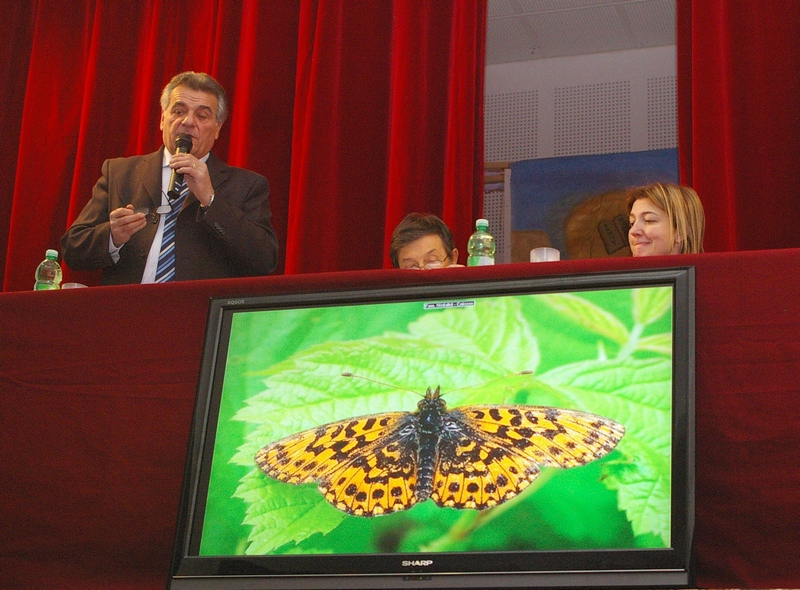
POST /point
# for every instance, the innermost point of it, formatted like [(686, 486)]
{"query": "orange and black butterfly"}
[(474, 456)]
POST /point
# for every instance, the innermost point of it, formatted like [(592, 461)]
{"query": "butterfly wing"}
[(364, 466), (488, 454)]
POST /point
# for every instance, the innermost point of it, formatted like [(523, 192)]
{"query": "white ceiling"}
[(524, 30)]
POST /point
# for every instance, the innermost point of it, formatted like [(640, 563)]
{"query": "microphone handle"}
[(174, 180)]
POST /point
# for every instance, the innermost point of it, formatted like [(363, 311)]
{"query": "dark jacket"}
[(233, 238)]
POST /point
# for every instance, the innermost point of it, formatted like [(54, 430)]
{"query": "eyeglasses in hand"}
[(152, 214)]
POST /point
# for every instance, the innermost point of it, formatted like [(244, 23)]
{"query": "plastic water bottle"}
[(480, 245), (48, 273)]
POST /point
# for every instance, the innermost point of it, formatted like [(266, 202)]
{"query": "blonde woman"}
[(665, 219)]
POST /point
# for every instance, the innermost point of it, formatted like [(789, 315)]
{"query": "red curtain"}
[(321, 92), (451, 122), (388, 120), (739, 119)]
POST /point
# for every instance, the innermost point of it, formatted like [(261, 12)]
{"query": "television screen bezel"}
[(670, 567)]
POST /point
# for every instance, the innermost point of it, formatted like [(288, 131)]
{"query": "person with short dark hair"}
[(422, 242), (216, 226)]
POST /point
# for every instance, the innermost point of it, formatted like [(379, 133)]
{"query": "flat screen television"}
[(529, 432)]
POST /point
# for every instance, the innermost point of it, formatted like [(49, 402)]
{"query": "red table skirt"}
[(97, 390)]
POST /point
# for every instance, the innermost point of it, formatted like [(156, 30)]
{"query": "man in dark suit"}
[(222, 227)]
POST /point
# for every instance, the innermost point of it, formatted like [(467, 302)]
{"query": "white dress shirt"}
[(151, 265)]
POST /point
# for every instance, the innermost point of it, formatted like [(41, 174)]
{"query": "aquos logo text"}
[(416, 562)]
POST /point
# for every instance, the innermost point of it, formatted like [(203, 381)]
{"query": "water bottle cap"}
[(482, 223), (52, 254)]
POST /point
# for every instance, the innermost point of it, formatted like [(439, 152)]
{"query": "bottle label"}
[(480, 261)]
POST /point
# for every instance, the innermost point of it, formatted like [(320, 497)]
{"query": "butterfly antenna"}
[(354, 376), (526, 372)]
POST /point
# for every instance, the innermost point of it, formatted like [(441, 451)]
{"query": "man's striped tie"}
[(166, 258)]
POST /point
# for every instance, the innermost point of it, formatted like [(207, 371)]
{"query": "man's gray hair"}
[(202, 82)]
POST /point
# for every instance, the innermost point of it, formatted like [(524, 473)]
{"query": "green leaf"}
[(495, 329), (281, 514), (637, 392), (651, 303), (587, 315), (660, 343), (643, 489)]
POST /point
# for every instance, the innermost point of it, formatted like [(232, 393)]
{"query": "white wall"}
[(589, 104)]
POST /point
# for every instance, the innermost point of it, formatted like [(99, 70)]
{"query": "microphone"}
[(183, 145)]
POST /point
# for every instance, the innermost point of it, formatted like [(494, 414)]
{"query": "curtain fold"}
[(15, 51), (440, 119), (324, 94), (739, 121), (464, 167), (338, 144), (50, 125), (385, 123)]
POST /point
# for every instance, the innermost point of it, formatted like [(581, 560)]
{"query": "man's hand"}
[(124, 223), (195, 173)]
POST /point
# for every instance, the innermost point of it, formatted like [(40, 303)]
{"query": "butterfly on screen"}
[(475, 456)]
